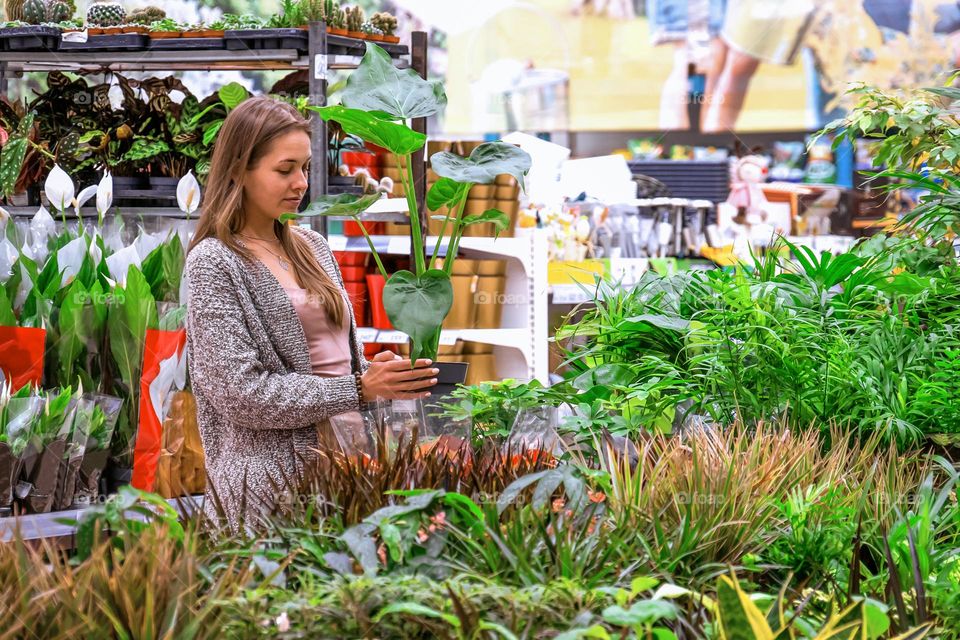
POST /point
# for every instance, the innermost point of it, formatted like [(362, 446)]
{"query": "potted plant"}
[(355, 18), (371, 32), (166, 28), (387, 23), (141, 29), (378, 100), (216, 28), (198, 30), (137, 21), (337, 23)]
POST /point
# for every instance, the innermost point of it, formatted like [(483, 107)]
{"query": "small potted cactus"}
[(337, 22), (107, 15), (387, 24), (355, 19), (138, 19), (216, 28), (36, 32), (198, 30)]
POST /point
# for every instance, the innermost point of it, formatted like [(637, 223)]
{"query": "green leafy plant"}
[(378, 100)]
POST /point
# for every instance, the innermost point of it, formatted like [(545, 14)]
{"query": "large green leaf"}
[(376, 85), (418, 306), (76, 322), (344, 204), (398, 138), (444, 192), (499, 219), (7, 319), (13, 153), (232, 94), (484, 164), (173, 262)]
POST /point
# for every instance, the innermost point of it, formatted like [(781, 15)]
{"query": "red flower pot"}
[(357, 292), (375, 283), (354, 274), (351, 258), (361, 160), (351, 228)]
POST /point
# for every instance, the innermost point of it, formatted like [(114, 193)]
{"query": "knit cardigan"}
[(258, 404)]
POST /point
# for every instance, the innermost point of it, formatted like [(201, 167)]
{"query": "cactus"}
[(338, 19), (58, 11), (386, 22), (13, 9), (355, 18), (312, 10), (34, 11), (368, 28), (146, 15), (106, 13)]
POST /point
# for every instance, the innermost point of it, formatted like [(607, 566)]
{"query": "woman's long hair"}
[(243, 140)]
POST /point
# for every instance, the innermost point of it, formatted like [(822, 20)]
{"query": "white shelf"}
[(482, 248), (521, 346)]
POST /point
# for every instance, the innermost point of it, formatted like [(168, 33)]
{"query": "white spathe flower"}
[(59, 188), (84, 196), (95, 253), (104, 193), (121, 261), (146, 243), (188, 193), (70, 259), (8, 257)]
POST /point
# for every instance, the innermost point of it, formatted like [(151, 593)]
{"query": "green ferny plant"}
[(378, 100)]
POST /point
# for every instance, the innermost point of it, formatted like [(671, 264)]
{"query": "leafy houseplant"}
[(377, 101)]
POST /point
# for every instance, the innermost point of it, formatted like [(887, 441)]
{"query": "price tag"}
[(449, 338), (320, 67), (367, 335), (398, 245), (569, 294), (337, 243), (391, 337)]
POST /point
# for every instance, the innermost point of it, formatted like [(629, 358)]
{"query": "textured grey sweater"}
[(258, 404)]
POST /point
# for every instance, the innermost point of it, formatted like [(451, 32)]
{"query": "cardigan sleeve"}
[(225, 367)]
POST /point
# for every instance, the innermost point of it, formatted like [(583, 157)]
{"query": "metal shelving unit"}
[(324, 53)]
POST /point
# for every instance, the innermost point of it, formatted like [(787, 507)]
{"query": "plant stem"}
[(373, 249), (414, 216), (42, 150), (443, 229), (454, 245)]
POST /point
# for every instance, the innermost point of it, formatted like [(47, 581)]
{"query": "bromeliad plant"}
[(378, 101)]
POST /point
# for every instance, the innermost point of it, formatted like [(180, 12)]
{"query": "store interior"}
[(687, 272)]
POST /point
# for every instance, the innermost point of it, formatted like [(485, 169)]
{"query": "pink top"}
[(329, 345)]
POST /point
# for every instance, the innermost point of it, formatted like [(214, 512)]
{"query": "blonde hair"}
[(243, 140)]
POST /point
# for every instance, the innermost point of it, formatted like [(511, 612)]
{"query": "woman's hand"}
[(391, 378)]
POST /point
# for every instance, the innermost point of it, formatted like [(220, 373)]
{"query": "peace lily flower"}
[(83, 197), (188, 193), (104, 194), (59, 188)]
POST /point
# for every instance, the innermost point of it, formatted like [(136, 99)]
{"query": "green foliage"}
[(377, 101)]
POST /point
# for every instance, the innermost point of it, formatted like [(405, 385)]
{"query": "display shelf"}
[(46, 526), (520, 344), (476, 248)]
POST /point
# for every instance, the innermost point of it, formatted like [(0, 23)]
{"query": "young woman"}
[(273, 351)]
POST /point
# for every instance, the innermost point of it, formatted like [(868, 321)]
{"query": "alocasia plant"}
[(378, 101)]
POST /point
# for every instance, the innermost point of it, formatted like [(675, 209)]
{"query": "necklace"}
[(280, 259)]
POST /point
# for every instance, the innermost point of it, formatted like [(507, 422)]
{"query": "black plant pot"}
[(451, 375), (115, 477)]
